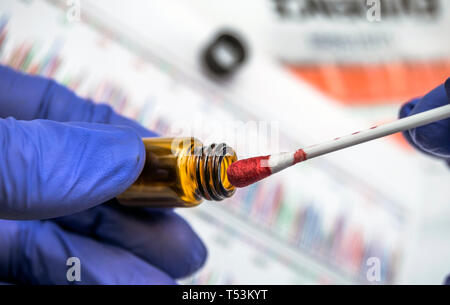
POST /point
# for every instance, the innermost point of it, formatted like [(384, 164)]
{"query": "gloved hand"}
[(61, 155), (432, 139)]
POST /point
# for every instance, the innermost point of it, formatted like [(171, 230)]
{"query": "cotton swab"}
[(248, 171)]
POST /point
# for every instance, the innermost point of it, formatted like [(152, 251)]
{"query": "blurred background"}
[(318, 69)]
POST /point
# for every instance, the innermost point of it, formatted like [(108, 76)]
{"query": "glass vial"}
[(181, 172)]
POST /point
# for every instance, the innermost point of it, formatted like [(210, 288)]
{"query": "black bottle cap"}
[(225, 54)]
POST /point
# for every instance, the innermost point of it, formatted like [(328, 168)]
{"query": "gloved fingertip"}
[(201, 257), (197, 258), (129, 149), (193, 252)]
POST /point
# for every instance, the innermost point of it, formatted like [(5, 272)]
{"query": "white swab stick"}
[(380, 131), (245, 172)]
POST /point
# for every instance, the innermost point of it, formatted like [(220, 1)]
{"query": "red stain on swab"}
[(248, 171), (299, 156), (242, 173)]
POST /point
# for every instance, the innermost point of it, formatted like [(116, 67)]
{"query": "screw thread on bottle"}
[(211, 163)]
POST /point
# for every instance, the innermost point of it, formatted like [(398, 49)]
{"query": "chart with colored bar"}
[(316, 224)]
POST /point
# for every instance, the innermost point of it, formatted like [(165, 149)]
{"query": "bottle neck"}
[(210, 164)]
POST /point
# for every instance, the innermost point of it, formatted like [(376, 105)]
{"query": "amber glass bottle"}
[(181, 172)]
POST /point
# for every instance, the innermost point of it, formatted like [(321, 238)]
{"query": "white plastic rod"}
[(248, 171), (380, 131)]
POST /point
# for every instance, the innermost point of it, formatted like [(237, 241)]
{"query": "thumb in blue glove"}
[(432, 139), (50, 169)]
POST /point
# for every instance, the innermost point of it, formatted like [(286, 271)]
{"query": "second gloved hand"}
[(432, 139)]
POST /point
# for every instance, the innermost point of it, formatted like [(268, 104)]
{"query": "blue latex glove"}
[(63, 155), (432, 139)]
